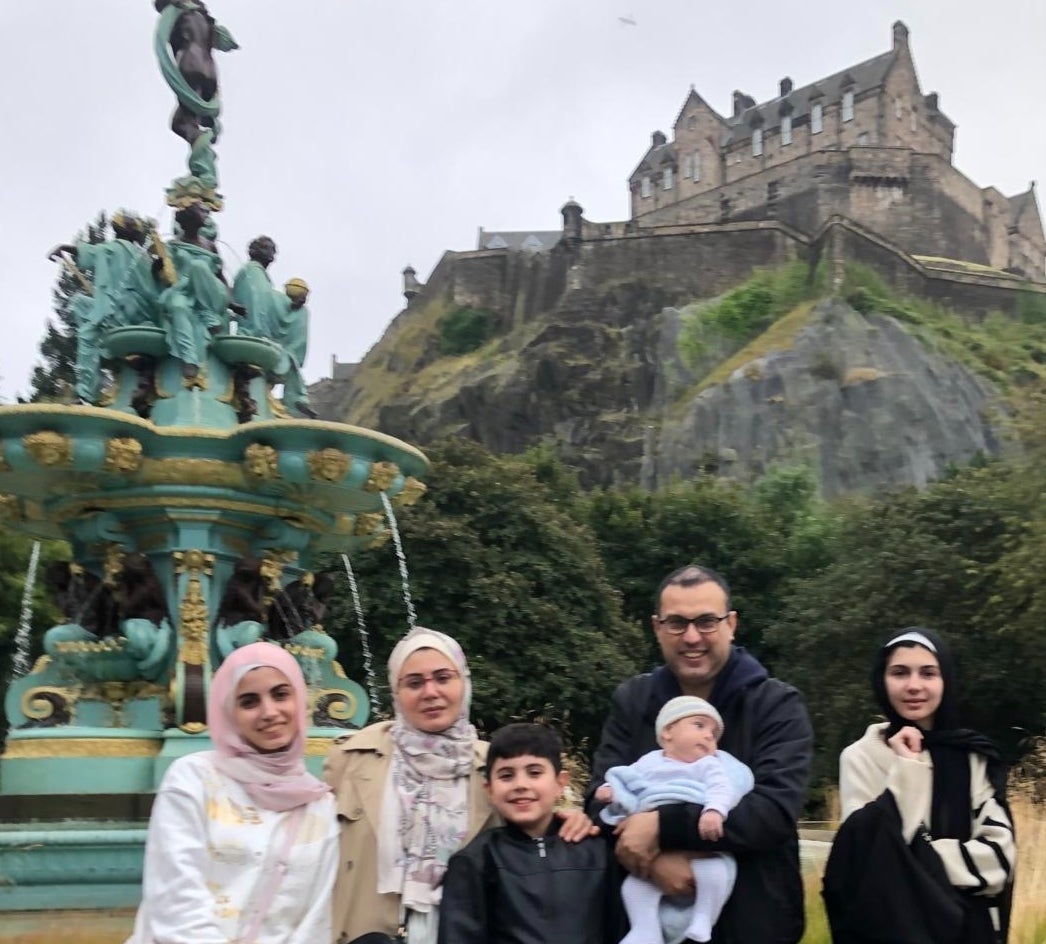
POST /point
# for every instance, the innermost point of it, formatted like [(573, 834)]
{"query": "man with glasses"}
[(766, 726)]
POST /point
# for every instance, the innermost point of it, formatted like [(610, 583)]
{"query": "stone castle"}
[(865, 144)]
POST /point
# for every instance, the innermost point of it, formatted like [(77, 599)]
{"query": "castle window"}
[(686, 166), (862, 138), (786, 129), (666, 178), (757, 142), (817, 119), (848, 106), (644, 187), (915, 121), (898, 107), (696, 167), (691, 122)]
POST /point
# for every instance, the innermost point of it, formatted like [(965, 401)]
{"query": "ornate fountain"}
[(195, 504)]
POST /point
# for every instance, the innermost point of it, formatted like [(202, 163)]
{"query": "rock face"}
[(595, 370), (856, 396)]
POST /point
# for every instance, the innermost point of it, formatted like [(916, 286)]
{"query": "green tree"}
[(498, 562), (55, 378), (757, 537)]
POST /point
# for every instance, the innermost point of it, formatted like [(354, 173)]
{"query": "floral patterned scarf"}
[(425, 813)]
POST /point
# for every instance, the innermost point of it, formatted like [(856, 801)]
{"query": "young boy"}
[(688, 768), (521, 883)]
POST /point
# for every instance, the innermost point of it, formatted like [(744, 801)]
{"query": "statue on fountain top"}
[(186, 35), (194, 303), (281, 317), (117, 288)]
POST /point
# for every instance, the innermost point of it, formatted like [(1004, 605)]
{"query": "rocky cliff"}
[(589, 361)]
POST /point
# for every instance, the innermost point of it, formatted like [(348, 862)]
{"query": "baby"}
[(688, 769)]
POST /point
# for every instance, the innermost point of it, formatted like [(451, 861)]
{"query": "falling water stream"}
[(25, 623), (412, 617), (368, 664)]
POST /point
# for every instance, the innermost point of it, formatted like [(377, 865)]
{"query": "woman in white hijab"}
[(409, 795)]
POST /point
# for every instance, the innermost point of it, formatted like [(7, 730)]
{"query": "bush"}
[(744, 312), (465, 329)]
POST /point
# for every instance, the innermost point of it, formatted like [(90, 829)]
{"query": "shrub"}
[(465, 329)]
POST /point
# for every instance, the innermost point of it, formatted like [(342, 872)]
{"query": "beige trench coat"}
[(357, 768)]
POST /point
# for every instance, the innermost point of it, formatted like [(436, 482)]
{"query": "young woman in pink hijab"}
[(242, 842)]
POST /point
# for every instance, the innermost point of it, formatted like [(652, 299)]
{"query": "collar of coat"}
[(377, 739)]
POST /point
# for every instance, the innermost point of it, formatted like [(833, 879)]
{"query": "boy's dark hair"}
[(515, 740)]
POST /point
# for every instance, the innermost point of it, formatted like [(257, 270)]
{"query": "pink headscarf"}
[(276, 781)]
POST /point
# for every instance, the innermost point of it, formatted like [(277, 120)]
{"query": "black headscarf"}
[(949, 744)]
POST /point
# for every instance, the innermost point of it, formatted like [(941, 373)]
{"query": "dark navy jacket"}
[(767, 727)]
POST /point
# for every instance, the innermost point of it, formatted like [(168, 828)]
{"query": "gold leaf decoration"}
[(368, 523), (193, 608), (123, 455), (259, 461), (328, 465), (49, 448), (412, 490), (382, 475)]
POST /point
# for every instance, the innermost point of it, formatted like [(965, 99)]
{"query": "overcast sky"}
[(363, 135)]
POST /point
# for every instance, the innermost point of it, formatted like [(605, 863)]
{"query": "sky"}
[(365, 135)]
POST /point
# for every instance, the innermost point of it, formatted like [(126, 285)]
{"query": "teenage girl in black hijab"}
[(926, 848)]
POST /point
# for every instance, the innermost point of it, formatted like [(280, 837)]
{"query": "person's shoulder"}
[(374, 737), (777, 688), (869, 743), (475, 848), (189, 771), (634, 686)]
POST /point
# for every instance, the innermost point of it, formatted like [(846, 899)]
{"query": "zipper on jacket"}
[(541, 846)]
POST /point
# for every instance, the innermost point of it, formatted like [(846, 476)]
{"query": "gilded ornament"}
[(368, 523), (109, 394), (318, 746), (192, 471), (328, 465), (41, 663), (81, 747), (277, 408), (91, 646), (382, 475), (340, 705), (305, 652), (49, 448), (113, 566), (412, 490), (123, 455), (193, 727), (40, 703), (259, 461), (193, 609)]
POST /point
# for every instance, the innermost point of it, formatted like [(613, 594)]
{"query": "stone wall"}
[(918, 201)]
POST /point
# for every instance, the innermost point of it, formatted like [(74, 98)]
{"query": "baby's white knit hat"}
[(686, 706)]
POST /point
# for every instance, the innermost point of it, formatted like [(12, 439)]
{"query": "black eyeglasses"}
[(677, 625)]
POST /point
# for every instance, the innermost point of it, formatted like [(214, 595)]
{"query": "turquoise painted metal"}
[(195, 504)]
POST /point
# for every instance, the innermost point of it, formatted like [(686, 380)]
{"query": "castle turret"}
[(572, 212), (900, 36), (411, 285)]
